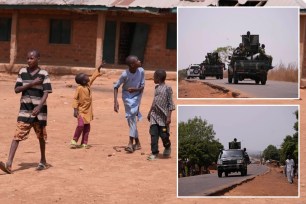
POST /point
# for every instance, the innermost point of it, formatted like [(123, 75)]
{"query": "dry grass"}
[(182, 74), (282, 73)]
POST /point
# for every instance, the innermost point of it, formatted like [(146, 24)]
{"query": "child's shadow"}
[(24, 166)]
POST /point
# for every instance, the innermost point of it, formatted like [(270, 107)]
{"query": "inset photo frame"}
[(238, 53), (238, 151)]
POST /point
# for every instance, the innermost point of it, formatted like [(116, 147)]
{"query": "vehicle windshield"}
[(194, 67), (231, 153)]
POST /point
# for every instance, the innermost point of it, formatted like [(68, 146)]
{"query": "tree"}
[(290, 144), (224, 53), (271, 153), (197, 142)]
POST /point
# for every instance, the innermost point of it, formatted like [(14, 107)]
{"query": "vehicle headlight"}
[(239, 161)]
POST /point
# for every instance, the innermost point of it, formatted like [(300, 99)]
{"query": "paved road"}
[(272, 89), (204, 185)]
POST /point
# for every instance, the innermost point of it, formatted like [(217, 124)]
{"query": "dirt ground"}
[(101, 174), (263, 185), (197, 89)]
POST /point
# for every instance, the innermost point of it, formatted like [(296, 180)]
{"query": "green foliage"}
[(271, 152), (290, 144), (197, 142)]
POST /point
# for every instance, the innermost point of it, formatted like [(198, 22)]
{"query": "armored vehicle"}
[(232, 160), (193, 71), (212, 66), (249, 61)]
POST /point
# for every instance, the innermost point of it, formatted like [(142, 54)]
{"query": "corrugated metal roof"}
[(299, 3), (199, 3), (160, 4), (114, 3)]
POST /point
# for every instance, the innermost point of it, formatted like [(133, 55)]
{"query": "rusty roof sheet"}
[(114, 3)]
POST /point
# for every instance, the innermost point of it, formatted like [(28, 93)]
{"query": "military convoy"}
[(249, 61), (233, 159), (212, 66)]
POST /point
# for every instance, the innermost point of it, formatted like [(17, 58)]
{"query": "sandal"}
[(136, 146), (5, 168), (129, 149), (42, 166)]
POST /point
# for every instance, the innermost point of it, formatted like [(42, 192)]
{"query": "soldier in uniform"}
[(240, 51), (217, 58), (263, 55), (206, 60), (247, 40)]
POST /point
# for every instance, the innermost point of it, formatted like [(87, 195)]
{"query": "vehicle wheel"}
[(230, 79), (203, 77), (263, 82), (188, 77), (217, 77), (235, 80), (243, 172), (226, 174), (257, 81), (219, 174), (263, 79), (221, 77)]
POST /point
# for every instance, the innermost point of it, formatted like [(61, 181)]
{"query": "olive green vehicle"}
[(249, 61), (212, 66), (232, 160)]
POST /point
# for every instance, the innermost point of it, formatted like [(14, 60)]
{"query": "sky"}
[(255, 126), (202, 30)]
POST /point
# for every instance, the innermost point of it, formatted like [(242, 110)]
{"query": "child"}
[(82, 105), (159, 115), (34, 83), (133, 84)]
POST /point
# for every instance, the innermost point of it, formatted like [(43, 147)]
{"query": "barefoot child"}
[(159, 115), (34, 83), (133, 82), (82, 105)]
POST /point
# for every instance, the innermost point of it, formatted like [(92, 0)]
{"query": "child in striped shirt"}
[(159, 115), (34, 84)]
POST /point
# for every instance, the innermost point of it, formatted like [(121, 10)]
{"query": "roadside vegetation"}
[(283, 73), (197, 149), (288, 147), (182, 74)]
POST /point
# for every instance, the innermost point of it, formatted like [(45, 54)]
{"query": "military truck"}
[(212, 66), (249, 61), (232, 160), (193, 71)]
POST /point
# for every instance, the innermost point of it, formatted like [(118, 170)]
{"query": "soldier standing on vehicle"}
[(234, 144), (240, 51), (206, 60), (263, 55), (247, 158), (247, 41)]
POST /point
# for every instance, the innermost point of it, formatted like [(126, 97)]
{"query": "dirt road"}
[(92, 175), (262, 185)]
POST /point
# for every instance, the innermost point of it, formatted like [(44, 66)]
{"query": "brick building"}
[(303, 47), (81, 35)]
